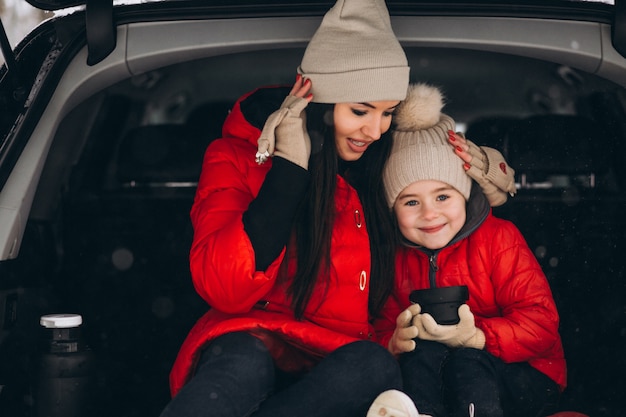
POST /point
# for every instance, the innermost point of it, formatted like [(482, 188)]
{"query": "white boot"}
[(393, 403)]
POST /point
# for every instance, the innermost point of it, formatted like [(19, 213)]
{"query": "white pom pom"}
[(421, 109)]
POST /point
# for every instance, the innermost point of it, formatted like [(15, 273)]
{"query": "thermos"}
[(64, 384)]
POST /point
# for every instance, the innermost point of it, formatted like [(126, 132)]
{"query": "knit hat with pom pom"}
[(420, 145)]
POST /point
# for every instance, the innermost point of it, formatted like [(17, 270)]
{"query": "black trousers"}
[(445, 382), (236, 377)]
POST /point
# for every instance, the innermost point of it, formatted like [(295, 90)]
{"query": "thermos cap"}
[(61, 321)]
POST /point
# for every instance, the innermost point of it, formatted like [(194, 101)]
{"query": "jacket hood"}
[(477, 211), (251, 110)]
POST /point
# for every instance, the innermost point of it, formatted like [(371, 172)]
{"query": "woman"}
[(287, 338)]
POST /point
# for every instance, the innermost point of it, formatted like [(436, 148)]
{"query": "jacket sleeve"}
[(222, 258), (385, 324), (528, 324), (268, 220)]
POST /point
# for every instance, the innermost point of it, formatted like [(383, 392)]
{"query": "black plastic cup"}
[(442, 303)]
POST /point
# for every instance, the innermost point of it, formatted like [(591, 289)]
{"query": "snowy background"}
[(19, 18)]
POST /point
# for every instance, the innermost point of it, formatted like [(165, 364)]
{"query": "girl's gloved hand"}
[(487, 167), (463, 334), (284, 133), (402, 339)]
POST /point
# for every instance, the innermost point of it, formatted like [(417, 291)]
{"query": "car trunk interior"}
[(109, 233)]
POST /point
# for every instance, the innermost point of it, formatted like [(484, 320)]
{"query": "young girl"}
[(504, 357)]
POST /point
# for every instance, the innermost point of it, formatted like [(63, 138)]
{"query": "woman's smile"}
[(358, 125)]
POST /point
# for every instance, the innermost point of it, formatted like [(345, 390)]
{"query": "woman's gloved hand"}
[(487, 167), (402, 339), (463, 334), (284, 133)]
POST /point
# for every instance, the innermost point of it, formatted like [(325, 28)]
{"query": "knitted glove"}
[(463, 334), (284, 134), (492, 173), (402, 339), (489, 169)]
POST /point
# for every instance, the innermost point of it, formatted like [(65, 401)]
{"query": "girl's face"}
[(358, 125), (430, 213)]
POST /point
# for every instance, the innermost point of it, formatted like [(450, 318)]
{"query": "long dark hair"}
[(314, 222)]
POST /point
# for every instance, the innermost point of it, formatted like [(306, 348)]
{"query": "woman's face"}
[(358, 125)]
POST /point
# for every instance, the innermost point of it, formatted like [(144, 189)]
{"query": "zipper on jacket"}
[(432, 270)]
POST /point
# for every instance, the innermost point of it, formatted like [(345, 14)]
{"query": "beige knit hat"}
[(421, 150), (354, 55)]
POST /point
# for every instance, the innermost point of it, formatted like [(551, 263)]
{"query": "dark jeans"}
[(236, 377), (443, 382)]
